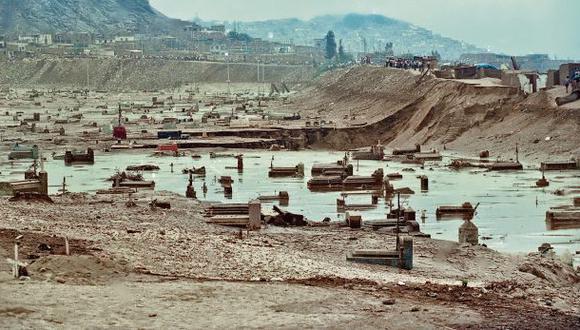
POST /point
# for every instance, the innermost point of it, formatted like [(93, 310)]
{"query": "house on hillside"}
[(36, 39), (124, 39)]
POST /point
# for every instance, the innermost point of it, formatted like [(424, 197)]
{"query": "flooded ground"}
[(510, 217)]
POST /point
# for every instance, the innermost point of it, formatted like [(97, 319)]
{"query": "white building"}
[(124, 39), (37, 39)]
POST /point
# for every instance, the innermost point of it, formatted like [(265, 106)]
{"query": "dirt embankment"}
[(401, 109), (132, 74)]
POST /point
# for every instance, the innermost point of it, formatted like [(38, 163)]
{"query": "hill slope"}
[(352, 28), (400, 111), (137, 74), (96, 16)]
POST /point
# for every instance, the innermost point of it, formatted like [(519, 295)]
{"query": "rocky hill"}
[(95, 16), (355, 30)]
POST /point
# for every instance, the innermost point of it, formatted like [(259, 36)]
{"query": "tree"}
[(343, 57), (236, 36), (436, 55), (330, 45), (341, 54), (389, 49)]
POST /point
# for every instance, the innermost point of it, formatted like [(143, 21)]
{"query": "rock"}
[(60, 280), (44, 247), (415, 309), (432, 294), (389, 301)]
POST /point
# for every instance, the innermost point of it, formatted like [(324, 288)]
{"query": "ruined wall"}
[(130, 74)]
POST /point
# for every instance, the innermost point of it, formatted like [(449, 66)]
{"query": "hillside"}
[(352, 28), (121, 74), (95, 16), (399, 111)]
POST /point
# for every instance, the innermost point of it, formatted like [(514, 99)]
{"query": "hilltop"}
[(94, 16), (377, 30)]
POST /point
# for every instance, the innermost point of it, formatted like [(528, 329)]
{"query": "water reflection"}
[(511, 214)]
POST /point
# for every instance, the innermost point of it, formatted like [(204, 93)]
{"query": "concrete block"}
[(255, 209)]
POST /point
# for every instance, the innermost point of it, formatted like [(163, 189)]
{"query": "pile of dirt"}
[(83, 269), (501, 311), (549, 269), (31, 197), (401, 109), (33, 245)]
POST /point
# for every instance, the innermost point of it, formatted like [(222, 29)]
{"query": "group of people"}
[(573, 82), (407, 64)]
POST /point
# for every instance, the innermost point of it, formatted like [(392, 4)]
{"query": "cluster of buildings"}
[(215, 42), (66, 44), (195, 42), (529, 73), (537, 62)]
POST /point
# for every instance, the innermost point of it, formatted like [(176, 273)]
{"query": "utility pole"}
[(88, 75), (258, 72), (398, 219), (264, 73), (228, 69)]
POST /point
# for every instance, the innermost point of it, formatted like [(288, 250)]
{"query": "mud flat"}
[(135, 264)]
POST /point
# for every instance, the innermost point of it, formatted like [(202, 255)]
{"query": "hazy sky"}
[(511, 26)]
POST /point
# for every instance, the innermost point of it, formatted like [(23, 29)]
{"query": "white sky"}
[(512, 26)]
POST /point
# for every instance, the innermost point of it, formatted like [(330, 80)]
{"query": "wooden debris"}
[(286, 219)]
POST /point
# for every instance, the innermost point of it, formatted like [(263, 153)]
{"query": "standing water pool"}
[(510, 217)]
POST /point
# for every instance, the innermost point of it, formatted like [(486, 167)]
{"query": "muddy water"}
[(511, 216)]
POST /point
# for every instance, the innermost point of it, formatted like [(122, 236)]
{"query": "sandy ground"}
[(438, 113), (159, 303), (139, 74), (138, 267), (150, 268), (100, 109)]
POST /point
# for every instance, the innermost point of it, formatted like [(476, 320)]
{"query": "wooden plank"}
[(374, 253), (362, 192)]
